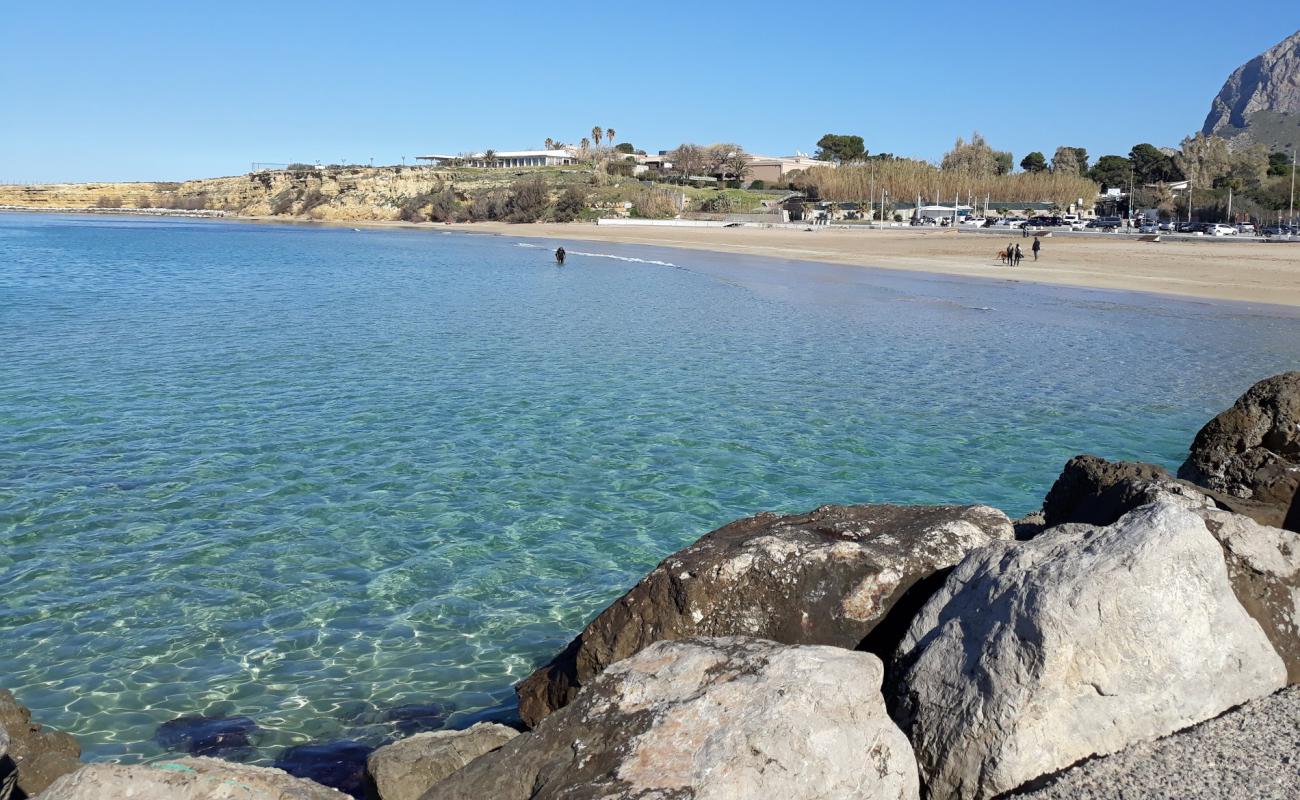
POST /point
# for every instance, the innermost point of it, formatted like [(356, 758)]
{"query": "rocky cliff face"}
[(1268, 84)]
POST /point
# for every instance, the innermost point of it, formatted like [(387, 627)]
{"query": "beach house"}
[(505, 159)]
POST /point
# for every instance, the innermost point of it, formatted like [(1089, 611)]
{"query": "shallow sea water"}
[(310, 475)]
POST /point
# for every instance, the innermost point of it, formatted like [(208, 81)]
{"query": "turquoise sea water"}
[(311, 475)]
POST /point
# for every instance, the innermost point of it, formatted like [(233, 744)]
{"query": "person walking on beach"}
[(1038, 245), (1011, 251), (1019, 255), (559, 256)]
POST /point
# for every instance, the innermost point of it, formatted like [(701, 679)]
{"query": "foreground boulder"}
[(186, 779), (406, 769), (1252, 450), (827, 577), (1248, 753), (723, 719), (1263, 561), (36, 755), (1078, 642)]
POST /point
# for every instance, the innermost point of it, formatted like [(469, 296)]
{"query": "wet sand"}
[(1248, 271)]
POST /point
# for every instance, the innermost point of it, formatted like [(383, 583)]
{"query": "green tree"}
[(1150, 165), (840, 147), (596, 134), (1004, 160), (625, 147), (1034, 162), (1279, 164), (570, 204), (1112, 172)]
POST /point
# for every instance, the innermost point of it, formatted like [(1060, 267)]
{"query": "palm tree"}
[(596, 133), (609, 136), (489, 156), (550, 143), (586, 143)]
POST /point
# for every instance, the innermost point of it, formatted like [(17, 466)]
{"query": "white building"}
[(507, 159)]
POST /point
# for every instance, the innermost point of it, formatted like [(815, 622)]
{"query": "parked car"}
[(1169, 226), (1190, 227), (1106, 224), (1044, 222), (1149, 226), (975, 222), (1220, 230), (1010, 222), (1245, 227)]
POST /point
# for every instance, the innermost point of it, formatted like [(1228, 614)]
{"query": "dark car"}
[(1106, 224), (1045, 222)]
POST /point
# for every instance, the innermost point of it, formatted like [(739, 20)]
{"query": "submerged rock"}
[(831, 576), (709, 719), (405, 770), (341, 765), (198, 735), (1078, 642), (34, 755), (1252, 450), (185, 779), (416, 717)]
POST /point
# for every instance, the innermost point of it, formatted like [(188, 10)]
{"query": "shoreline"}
[(1246, 272)]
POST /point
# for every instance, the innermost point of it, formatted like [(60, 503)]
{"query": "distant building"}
[(774, 169), (507, 159)]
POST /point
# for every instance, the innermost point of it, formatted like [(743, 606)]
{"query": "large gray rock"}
[(1269, 82), (8, 773), (1252, 450), (1079, 642), (1264, 567), (1263, 560), (828, 577), (407, 768), (36, 754), (1249, 753), (708, 719), (186, 779)]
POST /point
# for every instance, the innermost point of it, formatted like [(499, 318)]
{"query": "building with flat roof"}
[(774, 169), (507, 159)]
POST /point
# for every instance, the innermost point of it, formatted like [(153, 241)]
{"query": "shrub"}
[(718, 204), (443, 206), (571, 203), (758, 184), (299, 167), (412, 208), (490, 206), (105, 201), (282, 203), (528, 200), (654, 203)]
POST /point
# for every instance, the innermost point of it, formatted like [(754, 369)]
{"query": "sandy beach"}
[(1247, 271)]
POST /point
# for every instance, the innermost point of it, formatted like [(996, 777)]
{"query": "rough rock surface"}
[(1249, 753), (1263, 560), (1264, 567), (827, 577), (1095, 491), (36, 754), (186, 779), (1268, 82), (1252, 450), (406, 769), (1079, 642), (709, 719)]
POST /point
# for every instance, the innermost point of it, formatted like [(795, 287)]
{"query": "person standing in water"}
[(559, 256), (1038, 245)]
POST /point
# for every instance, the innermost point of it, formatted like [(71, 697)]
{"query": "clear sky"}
[(172, 90)]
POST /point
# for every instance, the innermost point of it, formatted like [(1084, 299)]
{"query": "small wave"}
[(629, 259), (529, 244)]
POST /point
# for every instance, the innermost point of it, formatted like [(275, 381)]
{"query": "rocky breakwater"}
[(829, 577), (31, 755)]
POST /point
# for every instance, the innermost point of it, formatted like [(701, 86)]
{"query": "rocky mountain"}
[(1260, 102)]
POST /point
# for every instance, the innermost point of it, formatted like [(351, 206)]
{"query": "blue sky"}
[(166, 90)]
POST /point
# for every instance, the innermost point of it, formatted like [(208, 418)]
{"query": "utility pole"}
[(1292, 211)]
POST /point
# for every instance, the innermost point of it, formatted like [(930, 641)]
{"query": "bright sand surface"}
[(1250, 271)]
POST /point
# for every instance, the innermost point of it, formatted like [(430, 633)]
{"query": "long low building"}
[(773, 169), (506, 159)]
